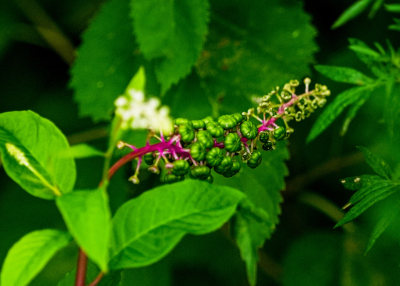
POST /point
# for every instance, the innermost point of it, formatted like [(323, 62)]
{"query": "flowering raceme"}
[(195, 147)]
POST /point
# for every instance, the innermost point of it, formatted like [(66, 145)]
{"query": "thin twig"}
[(48, 29), (330, 166), (97, 279)]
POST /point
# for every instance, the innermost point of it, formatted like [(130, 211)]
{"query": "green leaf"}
[(344, 74), (387, 217), (365, 198), (376, 163), (28, 256), (146, 228), (251, 228), (391, 111), (33, 154), (85, 151), (375, 7), (358, 182), (88, 218), (351, 12), (395, 8), (171, 33), (106, 61), (352, 112), (335, 108), (138, 82), (269, 44), (262, 187)]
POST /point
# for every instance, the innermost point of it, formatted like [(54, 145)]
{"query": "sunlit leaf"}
[(146, 228), (88, 218), (30, 254), (33, 154)]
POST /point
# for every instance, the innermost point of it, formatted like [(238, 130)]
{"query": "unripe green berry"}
[(208, 119), (249, 130), (255, 159), (210, 179), (268, 146), (200, 172), (171, 178), (205, 138), (197, 124), (232, 142), (148, 158), (224, 166), (238, 117), (181, 167), (280, 133), (215, 129), (181, 121), (264, 136), (227, 121), (187, 132), (233, 170), (197, 151), (214, 156)]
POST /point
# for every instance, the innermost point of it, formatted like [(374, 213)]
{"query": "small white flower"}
[(138, 113)]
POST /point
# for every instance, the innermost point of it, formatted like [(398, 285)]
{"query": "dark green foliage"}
[(148, 159)]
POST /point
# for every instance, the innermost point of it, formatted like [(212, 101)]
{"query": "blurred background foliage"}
[(37, 47)]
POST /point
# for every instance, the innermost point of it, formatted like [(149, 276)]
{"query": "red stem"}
[(97, 279), (81, 269)]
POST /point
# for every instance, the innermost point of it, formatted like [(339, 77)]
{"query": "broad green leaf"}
[(85, 151), (370, 189), (262, 187), (387, 217), (335, 108), (344, 74), (351, 12), (251, 228), (106, 61), (109, 279), (171, 33), (270, 43), (33, 154), (28, 256), (352, 112), (369, 197), (88, 218), (395, 8), (146, 228), (366, 55), (157, 274), (376, 163), (313, 259)]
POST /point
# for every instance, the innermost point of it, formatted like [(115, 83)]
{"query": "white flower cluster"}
[(138, 113)]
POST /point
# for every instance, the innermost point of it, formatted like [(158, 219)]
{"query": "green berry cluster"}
[(225, 143)]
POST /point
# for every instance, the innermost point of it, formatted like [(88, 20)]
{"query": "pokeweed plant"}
[(36, 155)]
